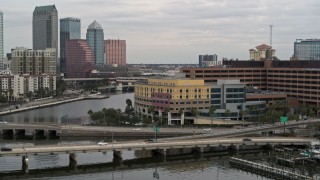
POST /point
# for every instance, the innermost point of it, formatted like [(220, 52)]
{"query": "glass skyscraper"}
[(95, 39), (1, 40), (45, 28), (307, 49), (70, 28)]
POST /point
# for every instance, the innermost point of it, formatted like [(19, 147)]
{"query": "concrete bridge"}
[(54, 130), (250, 130), (159, 148), (22, 130)]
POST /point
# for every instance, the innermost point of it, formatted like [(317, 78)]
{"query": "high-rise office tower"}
[(33, 62), (79, 56), (95, 39), (70, 28), (207, 60), (115, 52), (1, 40), (307, 49), (45, 28)]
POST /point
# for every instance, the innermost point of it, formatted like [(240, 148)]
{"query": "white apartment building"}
[(17, 86)]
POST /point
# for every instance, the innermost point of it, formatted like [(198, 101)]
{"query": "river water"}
[(96, 166), (74, 110)]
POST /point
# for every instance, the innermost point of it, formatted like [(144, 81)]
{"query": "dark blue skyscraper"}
[(95, 39), (70, 28)]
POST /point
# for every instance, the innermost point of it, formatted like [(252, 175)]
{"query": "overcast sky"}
[(177, 31)]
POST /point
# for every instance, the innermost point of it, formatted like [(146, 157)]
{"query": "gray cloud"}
[(178, 31)]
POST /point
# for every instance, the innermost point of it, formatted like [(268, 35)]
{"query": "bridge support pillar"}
[(73, 157), (25, 164), (117, 154), (199, 151), (165, 155), (25, 160), (46, 134), (117, 157)]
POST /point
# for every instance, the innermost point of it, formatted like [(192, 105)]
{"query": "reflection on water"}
[(76, 109), (131, 168)]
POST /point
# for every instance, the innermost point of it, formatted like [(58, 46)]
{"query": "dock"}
[(266, 170)]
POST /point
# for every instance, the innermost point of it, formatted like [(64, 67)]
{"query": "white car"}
[(136, 129), (102, 143), (3, 122), (207, 129)]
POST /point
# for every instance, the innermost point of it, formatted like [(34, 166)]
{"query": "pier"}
[(267, 170)]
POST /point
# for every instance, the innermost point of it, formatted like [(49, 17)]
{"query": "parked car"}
[(6, 149), (102, 143), (247, 139), (207, 129)]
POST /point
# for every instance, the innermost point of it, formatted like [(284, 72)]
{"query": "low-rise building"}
[(177, 99), (18, 86)]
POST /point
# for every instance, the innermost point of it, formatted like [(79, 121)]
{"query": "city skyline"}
[(171, 31)]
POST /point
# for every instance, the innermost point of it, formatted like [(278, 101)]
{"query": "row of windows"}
[(294, 77), (235, 101), (168, 102), (235, 96), (162, 90), (227, 71), (235, 89), (177, 109), (221, 75)]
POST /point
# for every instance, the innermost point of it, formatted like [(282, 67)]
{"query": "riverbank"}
[(48, 102)]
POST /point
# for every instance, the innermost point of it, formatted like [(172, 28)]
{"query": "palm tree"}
[(90, 112), (129, 103), (227, 112), (243, 114), (211, 112), (151, 111), (104, 111), (195, 113), (166, 111), (10, 93)]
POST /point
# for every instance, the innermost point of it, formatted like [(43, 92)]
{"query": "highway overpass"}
[(56, 130), (164, 148)]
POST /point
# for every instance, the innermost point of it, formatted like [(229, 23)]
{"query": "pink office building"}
[(115, 52), (79, 59)]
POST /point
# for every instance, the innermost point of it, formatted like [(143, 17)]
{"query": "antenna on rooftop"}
[(271, 26)]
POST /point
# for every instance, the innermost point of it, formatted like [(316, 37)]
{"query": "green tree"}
[(311, 111), (129, 103), (195, 113), (129, 108), (90, 112), (227, 112), (10, 93), (243, 113), (29, 95), (212, 109), (60, 86)]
